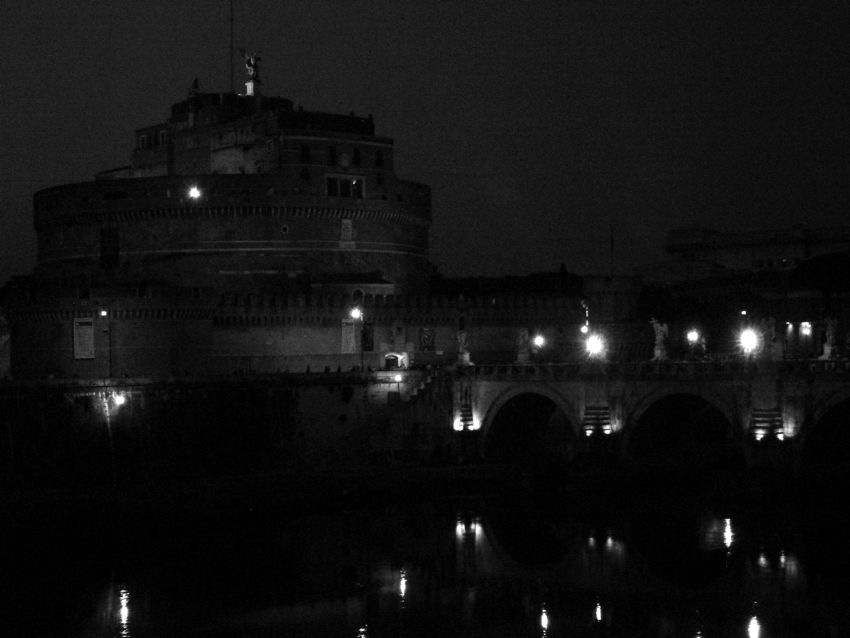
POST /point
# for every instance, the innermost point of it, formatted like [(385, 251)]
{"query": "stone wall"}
[(73, 434)]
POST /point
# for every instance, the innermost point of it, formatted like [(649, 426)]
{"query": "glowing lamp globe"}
[(594, 345), (749, 340)]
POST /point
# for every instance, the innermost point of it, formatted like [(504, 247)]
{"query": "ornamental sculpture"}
[(252, 65)]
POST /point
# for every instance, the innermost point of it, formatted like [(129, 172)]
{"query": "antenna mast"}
[(230, 58)]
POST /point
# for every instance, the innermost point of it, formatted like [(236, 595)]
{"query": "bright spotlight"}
[(806, 329), (356, 313), (119, 399), (749, 340), (595, 345), (692, 336), (103, 312), (194, 192), (539, 341), (397, 378), (584, 329)]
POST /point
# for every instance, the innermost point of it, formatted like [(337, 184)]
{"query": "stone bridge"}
[(754, 403)]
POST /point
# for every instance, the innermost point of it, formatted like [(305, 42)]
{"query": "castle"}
[(245, 235), (250, 235)]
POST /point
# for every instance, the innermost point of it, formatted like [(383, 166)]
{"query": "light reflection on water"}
[(448, 570), (124, 613)]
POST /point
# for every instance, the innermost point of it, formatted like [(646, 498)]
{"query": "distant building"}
[(699, 253), (792, 282)]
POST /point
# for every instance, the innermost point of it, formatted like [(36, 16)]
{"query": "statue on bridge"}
[(830, 329), (523, 343), (772, 345), (661, 332), (463, 348)]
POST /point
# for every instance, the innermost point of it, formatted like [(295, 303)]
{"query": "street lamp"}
[(749, 340), (595, 345), (356, 314), (111, 401)]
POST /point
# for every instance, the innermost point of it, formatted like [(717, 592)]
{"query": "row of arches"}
[(675, 431)]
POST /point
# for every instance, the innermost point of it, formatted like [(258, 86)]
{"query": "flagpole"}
[(230, 57)]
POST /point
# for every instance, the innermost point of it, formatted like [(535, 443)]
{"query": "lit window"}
[(348, 187)]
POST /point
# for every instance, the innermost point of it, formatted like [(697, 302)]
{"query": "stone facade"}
[(194, 257), (172, 333)]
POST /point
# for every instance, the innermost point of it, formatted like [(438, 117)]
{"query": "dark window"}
[(355, 157), (344, 188), (367, 337), (305, 154), (305, 174), (379, 180), (426, 340), (379, 159), (109, 247), (333, 189), (357, 188), (332, 155)]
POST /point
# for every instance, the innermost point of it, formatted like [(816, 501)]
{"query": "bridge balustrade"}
[(716, 367)]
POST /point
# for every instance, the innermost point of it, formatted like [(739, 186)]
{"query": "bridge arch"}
[(825, 439), (646, 401), (683, 429), (823, 405), (529, 416)]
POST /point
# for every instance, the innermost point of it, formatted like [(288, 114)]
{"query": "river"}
[(540, 561)]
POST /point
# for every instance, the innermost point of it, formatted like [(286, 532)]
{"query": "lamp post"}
[(749, 341), (356, 314), (111, 401), (595, 346)]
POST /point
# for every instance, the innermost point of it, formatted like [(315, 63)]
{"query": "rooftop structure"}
[(237, 188)]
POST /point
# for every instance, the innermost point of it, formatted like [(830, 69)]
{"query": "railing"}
[(718, 367)]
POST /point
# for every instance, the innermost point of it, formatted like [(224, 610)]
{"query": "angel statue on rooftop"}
[(252, 64)]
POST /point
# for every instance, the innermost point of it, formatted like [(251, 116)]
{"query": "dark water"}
[(538, 563)]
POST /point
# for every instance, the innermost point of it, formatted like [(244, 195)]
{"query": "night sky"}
[(538, 125)]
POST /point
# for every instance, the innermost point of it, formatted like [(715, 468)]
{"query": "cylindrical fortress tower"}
[(233, 189), (232, 197)]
